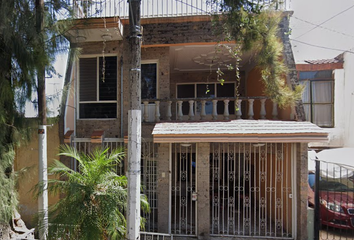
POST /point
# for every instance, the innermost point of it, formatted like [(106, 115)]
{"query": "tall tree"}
[(22, 54), (94, 198), (254, 25)]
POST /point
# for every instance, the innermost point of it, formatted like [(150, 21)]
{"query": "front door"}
[(251, 189), (183, 187)]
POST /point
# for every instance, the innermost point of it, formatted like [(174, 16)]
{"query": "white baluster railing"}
[(146, 111), (179, 113), (157, 111), (275, 111), (169, 110), (238, 109), (215, 112), (202, 112), (207, 109), (191, 110), (263, 109), (250, 108), (226, 109)]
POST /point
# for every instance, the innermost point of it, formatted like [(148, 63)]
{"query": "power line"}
[(329, 29), (325, 21), (192, 6), (323, 47)]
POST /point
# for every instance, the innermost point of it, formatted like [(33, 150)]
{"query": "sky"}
[(54, 86), (321, 29)]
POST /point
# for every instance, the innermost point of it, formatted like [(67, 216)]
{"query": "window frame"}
[(97, 56), (311, 102), (196, 108), (152, 61), (206, 83)]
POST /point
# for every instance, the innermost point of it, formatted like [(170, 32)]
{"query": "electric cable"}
[(336, 15)]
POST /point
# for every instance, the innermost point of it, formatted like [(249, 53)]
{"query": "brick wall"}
[(174, 33), (111, 127)]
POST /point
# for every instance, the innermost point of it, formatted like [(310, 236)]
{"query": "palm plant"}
[(93, 200)]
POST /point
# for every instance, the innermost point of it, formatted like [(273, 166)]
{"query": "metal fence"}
[(148, 174), (331, 195), (155, 8)]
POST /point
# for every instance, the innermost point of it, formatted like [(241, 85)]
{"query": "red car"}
[(337, 203)]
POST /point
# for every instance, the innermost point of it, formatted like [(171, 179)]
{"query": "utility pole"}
[(134, 122), (42, 131)]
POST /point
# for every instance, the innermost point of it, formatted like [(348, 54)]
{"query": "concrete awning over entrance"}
[(239, 131)]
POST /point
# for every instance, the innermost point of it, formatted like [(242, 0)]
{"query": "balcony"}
[(211, 109), (152, 8)]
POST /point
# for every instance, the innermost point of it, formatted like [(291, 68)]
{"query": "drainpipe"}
[(121, 97)]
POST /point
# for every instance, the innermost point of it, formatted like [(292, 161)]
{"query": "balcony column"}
[(293, 113), (191, 110), (275, 111), (169, 111), (179, 111), (157, 111), (238, 109), (215, 112), (202, 112), (226, 109), (263, 109), (250, 108), (146, 111)]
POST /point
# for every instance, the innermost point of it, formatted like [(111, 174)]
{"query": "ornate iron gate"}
[(149, 183), (251, 193), (183, 206)]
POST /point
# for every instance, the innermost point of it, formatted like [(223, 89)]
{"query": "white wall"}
[(348, 106), (342, 135)]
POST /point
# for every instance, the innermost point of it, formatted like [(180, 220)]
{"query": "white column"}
[(157, 111), (238, 109), (292, 113), (275, 111), (179, 111), (146, 111), (169, 110), (215, 112), (134, 155), (202, 113), (263, 109), (250, 108), (226, 109), (43, 181), (191, 110)]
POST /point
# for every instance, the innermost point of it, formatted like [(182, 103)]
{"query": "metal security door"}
[(251, 189), (183, 187)]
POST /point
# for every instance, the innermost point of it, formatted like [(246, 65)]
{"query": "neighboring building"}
[(214, 163), (328, 98)]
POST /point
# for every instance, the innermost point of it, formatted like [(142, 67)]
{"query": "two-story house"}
[(209, 169)]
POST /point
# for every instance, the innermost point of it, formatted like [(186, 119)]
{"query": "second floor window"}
[(207, 90), (318, 97), (148, 81), (98, 87)]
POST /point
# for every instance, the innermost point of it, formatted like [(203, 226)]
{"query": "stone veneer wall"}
[(290, 62), (189, 31), (203, 190), (161, 55), (163, 186), (84, 128), (302, 190)]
